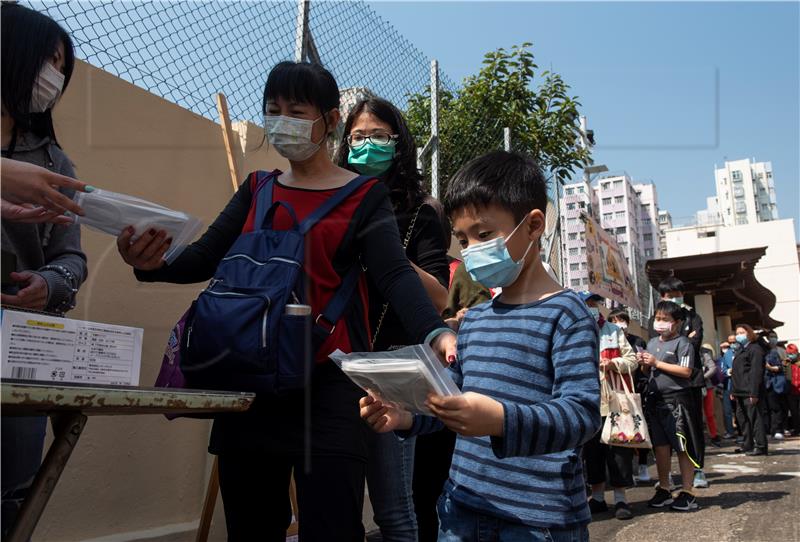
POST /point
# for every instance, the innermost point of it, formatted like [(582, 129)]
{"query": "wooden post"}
[(227, 136)]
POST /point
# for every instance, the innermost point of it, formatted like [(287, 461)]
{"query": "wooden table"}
[(69, 405)]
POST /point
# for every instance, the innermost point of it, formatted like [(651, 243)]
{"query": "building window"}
[(605, 186), (736, 176), (608, 216), (606, 201), (570, 191), (573, 251), (769, 174), (585, 281), (648, 253), (580, 190), (582, 204), (741, 220), (572, 236), (621, 230), (575, 282), (618, 199), (619, 214), (646, 208), (570, 206), (574, 266), (648, 236), (583, 250), (583, 266), (740, 207), (617, 184)]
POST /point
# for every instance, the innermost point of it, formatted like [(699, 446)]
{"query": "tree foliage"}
[(544, 120)]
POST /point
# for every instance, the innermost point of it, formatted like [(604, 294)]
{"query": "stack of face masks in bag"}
[(402, 377), (111, 213)]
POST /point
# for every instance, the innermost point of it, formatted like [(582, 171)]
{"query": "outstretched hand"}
[(383, 418)]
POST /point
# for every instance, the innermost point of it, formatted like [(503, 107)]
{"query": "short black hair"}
[(670, 308), (511, 180), (621, 314), (302, 82), (29, 39), (671, 284), (403, 179)]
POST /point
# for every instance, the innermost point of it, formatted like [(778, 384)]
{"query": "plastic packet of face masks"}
[(110, 212), (401, 377)]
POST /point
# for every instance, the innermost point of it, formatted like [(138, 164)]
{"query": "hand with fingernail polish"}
[(146, 252)]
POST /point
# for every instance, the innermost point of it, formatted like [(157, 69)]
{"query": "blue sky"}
[(669, 88)]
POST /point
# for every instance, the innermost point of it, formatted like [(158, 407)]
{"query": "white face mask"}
[(46, 89), (662, 328), (622, 325), (291, 137)]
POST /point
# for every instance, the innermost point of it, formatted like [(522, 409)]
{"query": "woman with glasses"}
[(377, 142)]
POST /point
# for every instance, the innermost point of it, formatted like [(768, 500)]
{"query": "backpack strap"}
[(332, 202), (325, 323)]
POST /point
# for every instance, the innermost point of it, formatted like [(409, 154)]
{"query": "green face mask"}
[(372, 159)]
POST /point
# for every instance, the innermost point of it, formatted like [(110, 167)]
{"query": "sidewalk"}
[(749, 499)]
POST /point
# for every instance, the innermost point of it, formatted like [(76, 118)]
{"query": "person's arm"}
[(378, 242), (428, 256), (696, 330), (626, 362), (756, 370), (572, 416), (199, 261), (709, 366), (25, 183)]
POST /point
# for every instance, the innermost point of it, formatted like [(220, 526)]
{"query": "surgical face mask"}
[(662, 328), (111, 213), (677, 300), (372, 159), (773, 341), (792, 357), (291, 137), (595, 312), (622, 325), (741, 339), (490, 264), (46, 89)]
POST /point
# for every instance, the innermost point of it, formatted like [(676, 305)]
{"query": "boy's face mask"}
[(662, 327), (490, 264)]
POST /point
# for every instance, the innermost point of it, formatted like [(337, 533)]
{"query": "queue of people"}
[(510, 452)]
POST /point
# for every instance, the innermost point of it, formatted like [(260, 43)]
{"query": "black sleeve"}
[(199, 261), (378, 241), (756, 370), (426, 248), (697, 326)]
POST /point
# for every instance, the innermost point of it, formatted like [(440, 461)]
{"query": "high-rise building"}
[(649, 240), (745, 192), (664, 223), (577, 198)]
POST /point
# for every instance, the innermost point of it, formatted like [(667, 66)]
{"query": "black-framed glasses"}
[(359, 140)]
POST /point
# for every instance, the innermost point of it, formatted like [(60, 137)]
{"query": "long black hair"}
[(302, 82), (29, 39), (403, 179)]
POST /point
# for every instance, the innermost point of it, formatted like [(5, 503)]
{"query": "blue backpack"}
[(238, 336)]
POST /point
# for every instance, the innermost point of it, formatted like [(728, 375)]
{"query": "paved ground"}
[(750, 499)]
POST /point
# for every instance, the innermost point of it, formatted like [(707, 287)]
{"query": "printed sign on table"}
[(608, 270)]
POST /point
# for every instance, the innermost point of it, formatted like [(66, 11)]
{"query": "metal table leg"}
[(67, 428)]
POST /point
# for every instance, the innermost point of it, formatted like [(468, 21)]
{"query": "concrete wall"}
[(141, 472), (777, 269)]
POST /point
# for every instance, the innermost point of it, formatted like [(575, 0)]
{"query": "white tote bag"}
[(625, 424)]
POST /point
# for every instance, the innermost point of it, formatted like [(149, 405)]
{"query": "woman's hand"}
[(30, 214), (33, 291), (384, 418), (147, 252), (445, 346), (28, 183)]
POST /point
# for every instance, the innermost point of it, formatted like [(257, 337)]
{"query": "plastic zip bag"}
[(401, 377), (110, 212)]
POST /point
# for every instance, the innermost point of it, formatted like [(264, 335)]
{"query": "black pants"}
[(794, 410), (255, 495), (608, 463), (432, 458), (697, 418), (752, 419), (778, 409)]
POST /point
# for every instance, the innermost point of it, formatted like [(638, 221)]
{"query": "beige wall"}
[(141, 472)]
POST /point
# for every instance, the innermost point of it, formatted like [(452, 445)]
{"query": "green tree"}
[(544, 120)]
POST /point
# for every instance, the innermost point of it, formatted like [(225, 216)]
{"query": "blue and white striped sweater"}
[(540, 361)]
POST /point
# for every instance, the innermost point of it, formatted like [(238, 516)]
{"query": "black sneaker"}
[(716, 441), (685, 502), (661, 499), (597, 507), (622, 511)]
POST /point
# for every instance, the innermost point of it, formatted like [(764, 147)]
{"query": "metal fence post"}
[(301, 28), (507, 139), (435, 128)]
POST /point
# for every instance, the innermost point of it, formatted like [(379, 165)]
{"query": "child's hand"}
[(471, 414), (384, 418), (648, 359)]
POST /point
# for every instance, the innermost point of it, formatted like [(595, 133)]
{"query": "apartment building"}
[(745, 192)]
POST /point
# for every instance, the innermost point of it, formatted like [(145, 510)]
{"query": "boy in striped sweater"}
[(528, 367)]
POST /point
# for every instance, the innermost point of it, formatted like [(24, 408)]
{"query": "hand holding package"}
[(402, 377), (110, 212)]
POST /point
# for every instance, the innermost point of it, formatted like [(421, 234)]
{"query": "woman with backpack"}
[(377, 141), (314, 431)]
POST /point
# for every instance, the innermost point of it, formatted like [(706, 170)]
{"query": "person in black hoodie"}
[(748, 389)]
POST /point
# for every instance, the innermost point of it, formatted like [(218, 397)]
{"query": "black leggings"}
[(608, 463), (255, 495)]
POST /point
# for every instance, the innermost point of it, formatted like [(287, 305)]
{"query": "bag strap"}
[(332, 202), (264, 183), (385, 308)]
